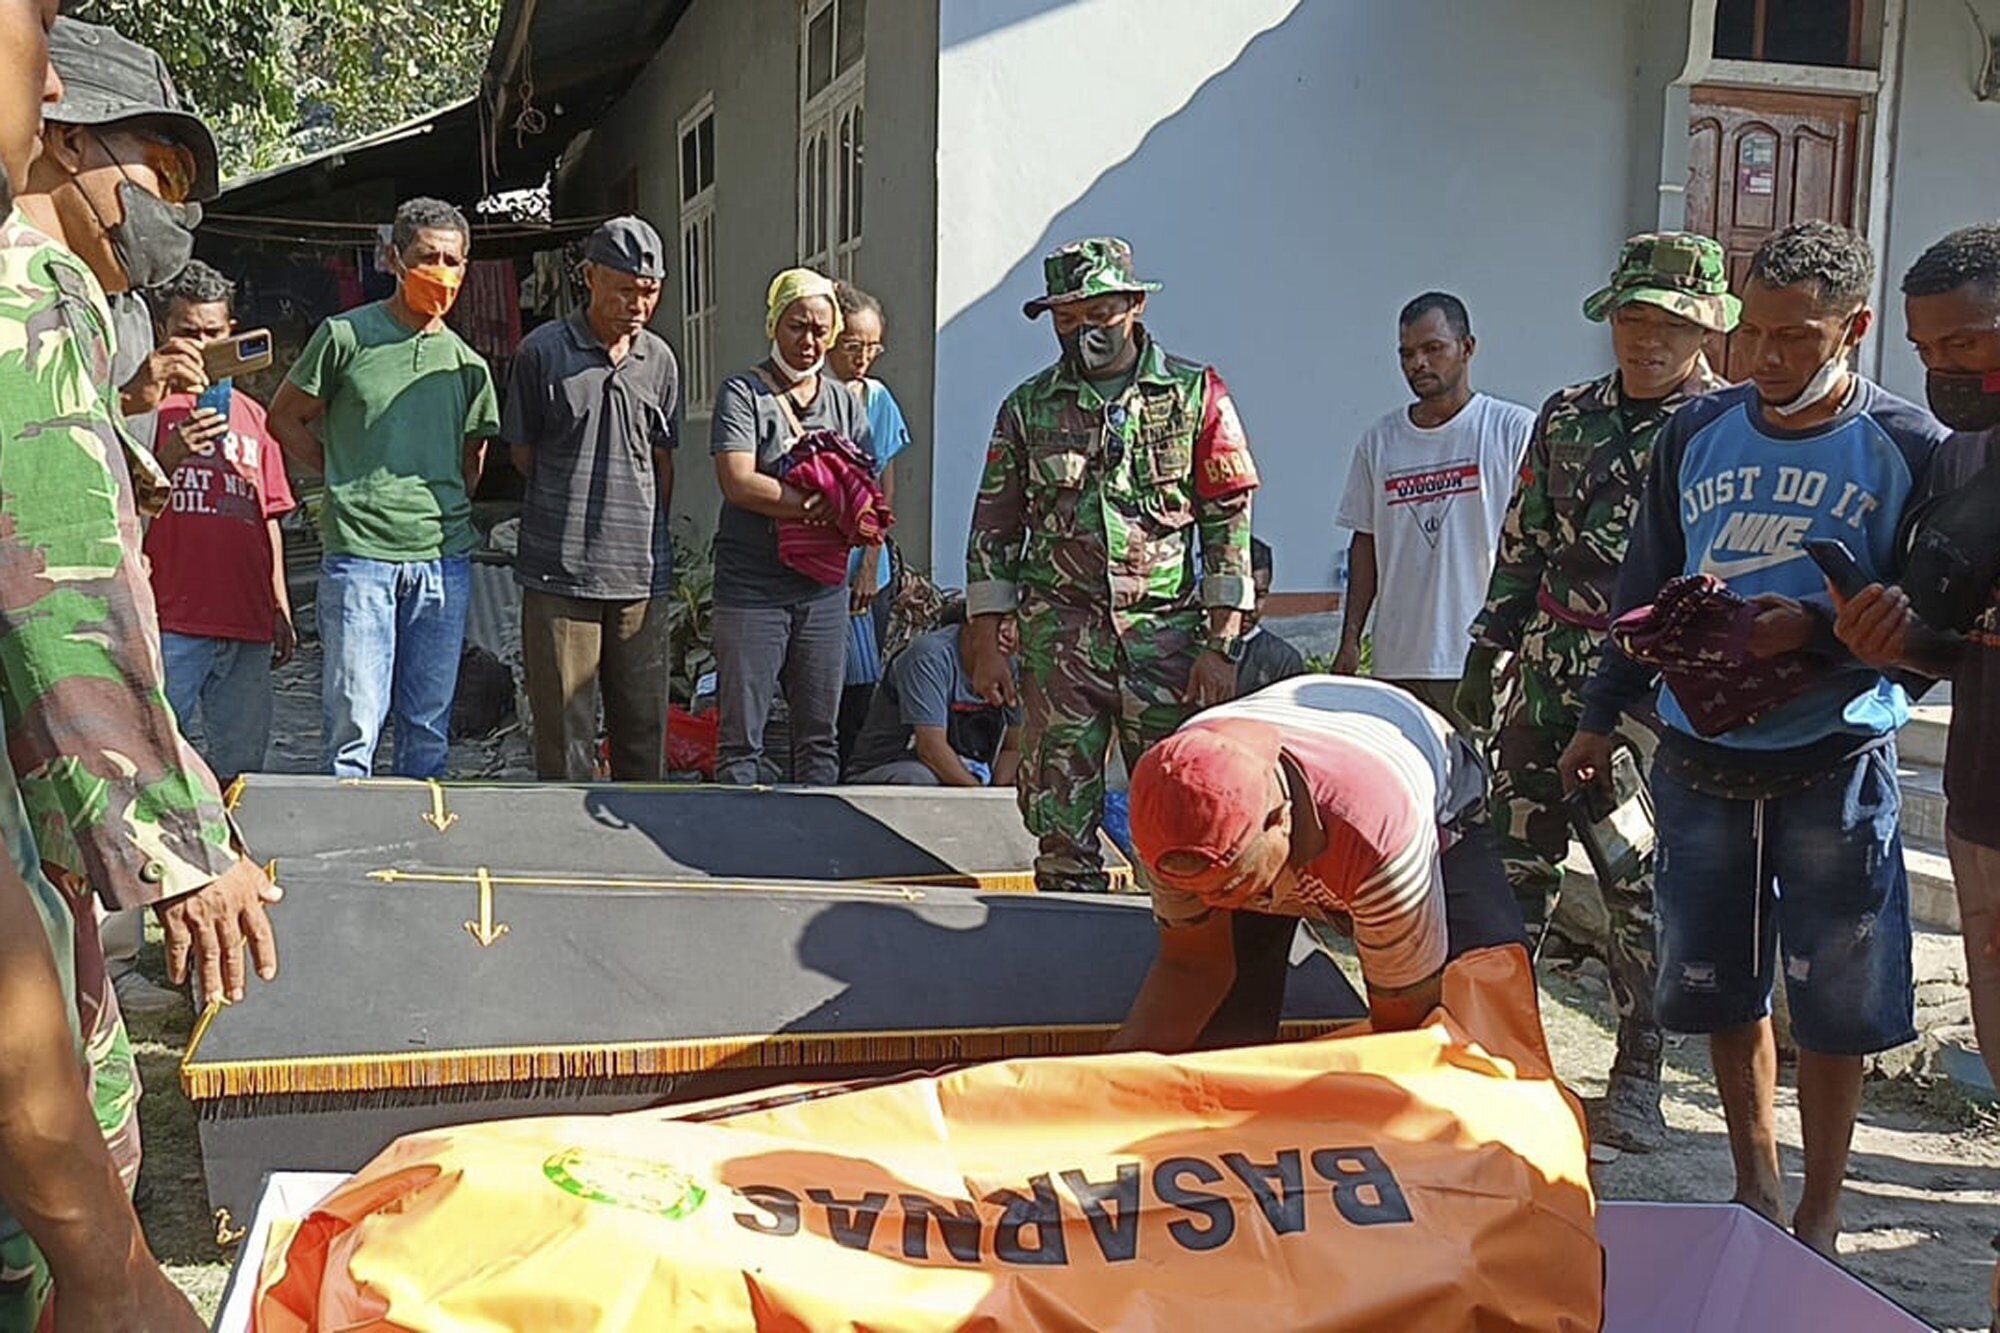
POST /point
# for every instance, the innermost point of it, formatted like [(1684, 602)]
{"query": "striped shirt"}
[(594, 521), (1385, 776)]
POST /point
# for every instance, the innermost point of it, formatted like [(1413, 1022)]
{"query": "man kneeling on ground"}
[(1339, 801), (927, 728)]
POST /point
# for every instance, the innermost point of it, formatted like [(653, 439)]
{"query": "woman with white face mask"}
[(775, 627)]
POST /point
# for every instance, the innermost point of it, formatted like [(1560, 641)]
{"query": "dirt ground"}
[(1922, 1204), (1923, 1187)]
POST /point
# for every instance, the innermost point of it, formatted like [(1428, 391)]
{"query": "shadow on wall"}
[(985, 17), (1351, 156)]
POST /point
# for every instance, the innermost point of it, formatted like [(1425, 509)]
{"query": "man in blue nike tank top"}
[(1778, 840)]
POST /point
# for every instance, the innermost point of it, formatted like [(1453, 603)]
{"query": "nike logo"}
[(1730, 569)]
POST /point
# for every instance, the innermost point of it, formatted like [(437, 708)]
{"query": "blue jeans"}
[(392, 633), (228, 681), (1812, 880)]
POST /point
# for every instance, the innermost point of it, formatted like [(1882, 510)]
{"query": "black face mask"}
[(1964, 402), (1094, 348), (156, 239)]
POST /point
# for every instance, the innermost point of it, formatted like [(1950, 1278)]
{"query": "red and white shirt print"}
[(210, 552)]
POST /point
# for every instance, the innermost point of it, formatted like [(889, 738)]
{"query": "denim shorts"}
[(1814, 877)]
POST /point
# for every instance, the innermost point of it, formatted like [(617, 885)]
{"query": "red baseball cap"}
[(1204, 791)]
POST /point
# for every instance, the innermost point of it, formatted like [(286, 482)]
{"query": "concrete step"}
[(1933, 899), (1923, 802), (1923, 740)]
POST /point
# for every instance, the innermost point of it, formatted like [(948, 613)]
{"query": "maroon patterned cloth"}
[(843, 473), (1697, 633)]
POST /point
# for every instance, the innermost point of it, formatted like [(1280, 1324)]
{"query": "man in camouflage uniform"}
[(1103, 471), (64, 1182), (1549, 603), (116, 800)]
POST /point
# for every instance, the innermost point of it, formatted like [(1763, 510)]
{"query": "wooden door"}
[(1759, 161)]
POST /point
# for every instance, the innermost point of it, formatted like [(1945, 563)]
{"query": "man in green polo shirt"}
[(404, 409)]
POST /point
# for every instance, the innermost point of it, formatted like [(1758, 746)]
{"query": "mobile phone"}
[(238, 355), (1838, 564), (216, 398)]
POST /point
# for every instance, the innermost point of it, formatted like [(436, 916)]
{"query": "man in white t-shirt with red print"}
[(216, 556), (1426, 496), (1344, 803)]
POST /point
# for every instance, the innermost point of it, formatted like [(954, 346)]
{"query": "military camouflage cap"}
[(111, 80), (1084, 270), (1678, 271)]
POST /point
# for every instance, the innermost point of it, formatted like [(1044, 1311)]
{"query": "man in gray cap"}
[(121, 117), (592, 418)]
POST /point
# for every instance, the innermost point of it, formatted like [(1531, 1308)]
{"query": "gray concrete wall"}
[(1947, 157), (1292, 172), (745, 53), (897, 261), (1655, 53)]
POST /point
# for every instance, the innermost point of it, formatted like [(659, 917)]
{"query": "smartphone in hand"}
[(1839, 565), (237, 355), (216, 398)]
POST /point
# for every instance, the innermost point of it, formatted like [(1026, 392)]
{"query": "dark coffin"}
[(390, 1015), (666, 833)]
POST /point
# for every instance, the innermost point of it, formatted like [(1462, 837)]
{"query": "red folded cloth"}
[(1697, 633), (831, 465)]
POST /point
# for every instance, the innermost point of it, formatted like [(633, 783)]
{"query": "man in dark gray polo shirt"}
[(592, 418)]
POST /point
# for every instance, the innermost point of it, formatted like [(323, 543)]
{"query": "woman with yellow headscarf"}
[(776, 628)]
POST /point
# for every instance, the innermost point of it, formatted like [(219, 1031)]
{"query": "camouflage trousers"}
[(1537, 717), (113, 1077), (24, 1285), (1082, 686), (110, 1072)]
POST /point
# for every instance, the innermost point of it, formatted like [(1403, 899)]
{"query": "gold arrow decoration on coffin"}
[(438, 817), (482, 876), (484, 930)]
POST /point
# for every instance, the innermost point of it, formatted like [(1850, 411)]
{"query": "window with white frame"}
[(832, 133), (697, 139)]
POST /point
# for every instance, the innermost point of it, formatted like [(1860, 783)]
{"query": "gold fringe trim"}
[(499, 1064)]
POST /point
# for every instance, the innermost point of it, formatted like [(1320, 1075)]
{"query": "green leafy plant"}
[(1322, 663), (280, 79), (691, 620)]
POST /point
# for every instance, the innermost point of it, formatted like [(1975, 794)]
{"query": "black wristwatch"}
[(1228, 649)]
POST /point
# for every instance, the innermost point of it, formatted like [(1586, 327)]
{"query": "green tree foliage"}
[(278, 79)]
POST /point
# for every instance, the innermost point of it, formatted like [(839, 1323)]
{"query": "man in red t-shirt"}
[(1339, 802), (218, 561)]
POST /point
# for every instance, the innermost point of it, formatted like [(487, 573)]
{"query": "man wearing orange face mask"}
[(403, 409)]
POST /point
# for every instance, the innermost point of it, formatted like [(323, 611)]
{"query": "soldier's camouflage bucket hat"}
[(1085, 270), (1678, 271)]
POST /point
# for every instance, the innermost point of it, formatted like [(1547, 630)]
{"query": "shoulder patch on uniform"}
[(77, 303), (1222, 452)]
